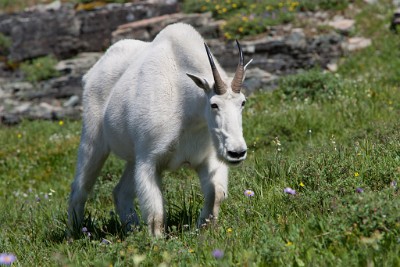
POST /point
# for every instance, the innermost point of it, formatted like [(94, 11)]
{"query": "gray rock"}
[(147, 29), (72, 101), (297, 39), (356, 43), (342, 25), (66, 32), (257, 79)]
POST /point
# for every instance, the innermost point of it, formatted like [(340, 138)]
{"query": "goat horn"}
[(220, 86), (239, 74)]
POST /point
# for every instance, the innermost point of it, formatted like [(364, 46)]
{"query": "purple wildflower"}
[(393, 184), (217, 253), (105, 241), (84, 230), (7, 259), (359, 190), (289, 190), (248, 193)]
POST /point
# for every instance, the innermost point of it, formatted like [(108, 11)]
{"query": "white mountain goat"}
[(157, 106)]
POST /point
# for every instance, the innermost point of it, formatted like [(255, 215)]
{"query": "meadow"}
[(333, 138)]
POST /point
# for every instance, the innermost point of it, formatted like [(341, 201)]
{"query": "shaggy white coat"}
[(153, 105)]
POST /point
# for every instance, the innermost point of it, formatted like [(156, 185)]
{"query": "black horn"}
[(219, 87)]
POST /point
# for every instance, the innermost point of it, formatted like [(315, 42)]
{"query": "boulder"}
[(66, 31), (147, 29)]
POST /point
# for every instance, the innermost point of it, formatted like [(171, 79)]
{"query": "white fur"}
[(140, 104)]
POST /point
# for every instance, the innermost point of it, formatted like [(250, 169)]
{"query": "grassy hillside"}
[(334, 138)]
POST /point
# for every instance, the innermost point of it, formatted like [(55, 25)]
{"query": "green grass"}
[(334, 139)]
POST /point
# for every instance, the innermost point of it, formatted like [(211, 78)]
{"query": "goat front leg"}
[(214, 184), (148, 191)]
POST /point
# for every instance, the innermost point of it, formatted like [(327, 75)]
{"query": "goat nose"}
[(237, 155)]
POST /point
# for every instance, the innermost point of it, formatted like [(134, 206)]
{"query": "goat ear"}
[(200, 82)]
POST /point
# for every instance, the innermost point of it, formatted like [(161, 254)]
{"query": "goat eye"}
[(243, 103), (214, 106)]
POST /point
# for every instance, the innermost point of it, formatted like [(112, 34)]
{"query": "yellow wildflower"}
[(61, 123), (229, 230), (191, 250), (234, 5), (19, 136), (301, 184), (356, 174), (289, 244)]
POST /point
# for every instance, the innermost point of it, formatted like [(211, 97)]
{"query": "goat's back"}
[(101, 78)]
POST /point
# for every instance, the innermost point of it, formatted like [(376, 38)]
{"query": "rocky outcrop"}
[(67, 31), (283, 50)]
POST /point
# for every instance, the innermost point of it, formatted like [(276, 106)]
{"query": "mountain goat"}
[(157, 106)]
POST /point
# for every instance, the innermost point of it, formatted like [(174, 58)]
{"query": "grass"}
[(325, 144)]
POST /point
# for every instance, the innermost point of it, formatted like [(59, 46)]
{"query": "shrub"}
[(40, 69), (313, 85), (313, 5), (245, 17), (5, 44), (251, 17)]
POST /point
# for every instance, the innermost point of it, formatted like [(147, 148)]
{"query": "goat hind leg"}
[(91, 157), (124, 194), (148, 190)]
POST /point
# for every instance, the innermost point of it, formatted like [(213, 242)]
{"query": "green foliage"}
[(5, 44), (313, 5), (251, 17), (313, 85), (321, 134), (40, 69), (245, 18)]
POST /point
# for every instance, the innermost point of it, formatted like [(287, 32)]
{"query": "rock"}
[(332, 67), (356, 43), (72, 101), (342, 25), (79, 64), (297, 39), (9, 119), (257, 79), (22, 108), (18, 89), (71, 31), (147, 29), (395, 20)]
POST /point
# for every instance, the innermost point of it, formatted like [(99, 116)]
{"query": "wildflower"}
[(393, 184), (234, 5), (19, 136), (84, 230), (289, 190), (7, 259), (356, 174), (61, 123), (359, 190), (105, 241), (191, 250), (248, 193), (217, 253), (301, 184), (229, 230), (289, 244)]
